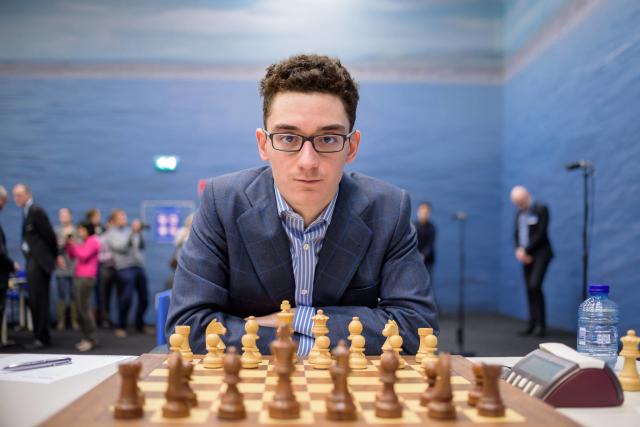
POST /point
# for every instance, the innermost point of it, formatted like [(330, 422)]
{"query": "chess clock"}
[(562, 377)]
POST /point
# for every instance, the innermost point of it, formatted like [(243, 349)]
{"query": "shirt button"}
[(305, 246), (304, 292)]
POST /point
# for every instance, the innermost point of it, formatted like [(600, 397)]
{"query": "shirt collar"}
[(28, 205), (284, 209)]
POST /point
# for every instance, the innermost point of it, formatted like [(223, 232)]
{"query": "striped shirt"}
[(304, 245)]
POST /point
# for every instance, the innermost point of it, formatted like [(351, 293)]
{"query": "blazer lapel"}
[(344, 246), (266, 241)]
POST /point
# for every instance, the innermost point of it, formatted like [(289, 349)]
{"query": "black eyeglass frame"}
[(345, 139)]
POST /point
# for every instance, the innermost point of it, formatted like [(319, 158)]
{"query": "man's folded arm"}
[(200, 292), (405, 294)]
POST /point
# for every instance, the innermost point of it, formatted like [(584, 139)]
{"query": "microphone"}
[(580, 164), (460, 216)]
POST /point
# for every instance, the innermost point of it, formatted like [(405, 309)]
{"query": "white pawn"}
[(187, 354), (431, 346), (423, 333), (249, 359), (213, 359), (175, 344), (629, 378), (251, 327), (357, 359), (396, 344), (323, 359)]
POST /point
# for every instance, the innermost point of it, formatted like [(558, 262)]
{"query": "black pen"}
[(36, 364)]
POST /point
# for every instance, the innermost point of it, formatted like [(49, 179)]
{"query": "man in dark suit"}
[(301, 229), (7, 265), (40, 249), (426, 235), (533, 250)]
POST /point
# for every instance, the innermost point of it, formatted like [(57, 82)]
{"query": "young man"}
[(533, 250), (302, 230)]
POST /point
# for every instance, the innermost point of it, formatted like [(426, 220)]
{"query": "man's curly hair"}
[(310, 73)]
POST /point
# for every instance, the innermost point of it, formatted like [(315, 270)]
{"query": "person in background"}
[(534, 251), (94, 216), (40, 250), (180, 239), (127, 244), (7, 265), (64, 271), (107, 276), (426, 235), (84, 280)]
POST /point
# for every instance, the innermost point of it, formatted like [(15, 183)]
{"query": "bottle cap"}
[(598, 289)]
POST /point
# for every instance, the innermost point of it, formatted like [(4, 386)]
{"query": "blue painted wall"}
[(84, 143), (579, 99)]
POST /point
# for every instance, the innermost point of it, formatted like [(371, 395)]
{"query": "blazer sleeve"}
[(200, 288), (405, 294), (6, 263), (539, 234), (45, 231)]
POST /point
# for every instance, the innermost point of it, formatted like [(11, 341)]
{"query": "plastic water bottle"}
[(598, 325)]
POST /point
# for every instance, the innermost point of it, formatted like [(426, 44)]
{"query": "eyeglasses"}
[(292, 143)]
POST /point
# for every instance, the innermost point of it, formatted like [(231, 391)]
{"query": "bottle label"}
[(603, 339), (582, 336)]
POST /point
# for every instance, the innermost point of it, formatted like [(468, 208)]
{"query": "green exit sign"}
[(166, 163)]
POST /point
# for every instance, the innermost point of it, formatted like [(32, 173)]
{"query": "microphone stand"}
[(461, 218), (587, 172)]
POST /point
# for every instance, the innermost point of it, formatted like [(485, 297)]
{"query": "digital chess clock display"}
[(543, 369)]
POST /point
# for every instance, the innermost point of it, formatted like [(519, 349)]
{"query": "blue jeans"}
[(65, 289), (132, 279)]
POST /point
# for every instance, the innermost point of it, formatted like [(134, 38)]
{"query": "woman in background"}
[(84, 280), (64, 271)]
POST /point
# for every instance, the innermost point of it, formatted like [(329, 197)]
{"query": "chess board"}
[(311, 387)]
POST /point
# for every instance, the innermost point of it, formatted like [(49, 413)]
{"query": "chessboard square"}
[(415, 406), (409, 388), (199, 379), (206, 395), (460, 395), (252, 405), (197, 416), (300, 396), (365, 396), (510, 416), (320, 405), (252, 373), (153, 403), (160, 372), (408, 374), (294, 380), (408, 417), (150, 386), (306, 417), (458, 380), (370, 381), (251, 387), (317, 374), (319, 388), (299, 368)]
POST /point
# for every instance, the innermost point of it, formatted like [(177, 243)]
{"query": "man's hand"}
[(270, 321), (60, 262), (523, 257), (16, 267)]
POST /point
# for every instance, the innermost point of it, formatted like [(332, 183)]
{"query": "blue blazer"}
[(236, 263)]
